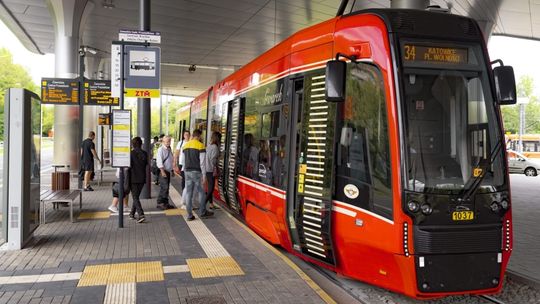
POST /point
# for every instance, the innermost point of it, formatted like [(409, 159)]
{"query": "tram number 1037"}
[(462, 215)]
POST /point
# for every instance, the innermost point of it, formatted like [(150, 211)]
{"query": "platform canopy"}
[(219, 35)]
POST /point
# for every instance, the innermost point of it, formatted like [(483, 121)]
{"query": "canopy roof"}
[(219, 35)]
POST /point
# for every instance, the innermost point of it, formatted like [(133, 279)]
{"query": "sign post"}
[(140, 76), (121, 147)]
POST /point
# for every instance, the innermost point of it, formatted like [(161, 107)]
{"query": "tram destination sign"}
[(98, 93), (434, 54), (59, 91)]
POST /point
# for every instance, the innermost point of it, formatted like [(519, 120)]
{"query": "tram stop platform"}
[(165, 260)]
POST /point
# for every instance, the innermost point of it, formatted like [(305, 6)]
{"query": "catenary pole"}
[(143, 104)]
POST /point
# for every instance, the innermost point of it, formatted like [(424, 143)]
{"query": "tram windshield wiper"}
[(474, 182)]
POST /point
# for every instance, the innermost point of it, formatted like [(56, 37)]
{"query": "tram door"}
[(232, 142), (310, 201)]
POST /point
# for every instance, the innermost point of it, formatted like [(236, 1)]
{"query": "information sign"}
[(116, 65), (142, 71), (59, 91), (139, 36), (104, 119), (121, 138), (98, 93)]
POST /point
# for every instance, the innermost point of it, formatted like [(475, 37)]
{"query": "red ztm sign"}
[(142, 93)]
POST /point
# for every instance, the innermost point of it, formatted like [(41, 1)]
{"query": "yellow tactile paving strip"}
[(122, 273), (97, 275), (213, 267), (177, 211), (227, 266), (201, 268), (149, 272), (94, 215)]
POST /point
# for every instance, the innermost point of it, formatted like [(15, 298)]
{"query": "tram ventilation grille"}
[(403, 21), (434, 241), (436, 24), (469, 27)]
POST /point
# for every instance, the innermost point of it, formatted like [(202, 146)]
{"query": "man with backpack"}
[(195, 172)]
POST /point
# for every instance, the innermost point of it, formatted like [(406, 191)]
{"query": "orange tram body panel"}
[(403, 184)]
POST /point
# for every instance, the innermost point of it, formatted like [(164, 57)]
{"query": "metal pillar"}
[(143, 104), (67, 16), (160, 114), (90, 113), (411, 4), (521, 126)]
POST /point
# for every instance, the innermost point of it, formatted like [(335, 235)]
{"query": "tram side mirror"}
[(335, 81), (505, 84)]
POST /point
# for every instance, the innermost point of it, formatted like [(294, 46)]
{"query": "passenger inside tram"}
[(250, 157)]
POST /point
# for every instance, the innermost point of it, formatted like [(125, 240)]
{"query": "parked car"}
[(519, 163)]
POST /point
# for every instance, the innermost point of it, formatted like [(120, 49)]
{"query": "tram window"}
[(270, 124), (364, 154)]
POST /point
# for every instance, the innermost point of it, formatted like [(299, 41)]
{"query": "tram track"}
[(340, 284), (491, 299)]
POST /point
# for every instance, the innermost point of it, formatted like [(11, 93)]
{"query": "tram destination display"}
[(434, 54), (98, 93), (59, 91)]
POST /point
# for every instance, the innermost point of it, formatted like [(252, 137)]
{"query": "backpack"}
[(154, 168)]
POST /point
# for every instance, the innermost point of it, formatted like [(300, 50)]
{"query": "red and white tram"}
[(371, 144)]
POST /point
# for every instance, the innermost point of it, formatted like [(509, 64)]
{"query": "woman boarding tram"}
[(383, 154)]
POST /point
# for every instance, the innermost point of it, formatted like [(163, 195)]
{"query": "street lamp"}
[(522, 101)]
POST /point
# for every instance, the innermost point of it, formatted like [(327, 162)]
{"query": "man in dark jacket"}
[(139, 161)]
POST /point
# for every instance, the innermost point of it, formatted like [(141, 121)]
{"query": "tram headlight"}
[(413, 206), (494, 207), (426, 209), (504, 204)]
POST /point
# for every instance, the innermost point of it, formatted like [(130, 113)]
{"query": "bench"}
[(59, 196)]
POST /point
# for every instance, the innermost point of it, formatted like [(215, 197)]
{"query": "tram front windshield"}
[(450, 120)]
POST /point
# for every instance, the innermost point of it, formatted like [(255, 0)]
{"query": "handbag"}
[(215, 173)]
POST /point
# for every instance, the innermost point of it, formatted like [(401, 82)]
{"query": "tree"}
[(510, 114), (12, 76)]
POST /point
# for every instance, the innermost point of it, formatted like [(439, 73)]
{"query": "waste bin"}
[(60, 179)]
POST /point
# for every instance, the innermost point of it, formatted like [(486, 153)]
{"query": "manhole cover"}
[(206, 300)]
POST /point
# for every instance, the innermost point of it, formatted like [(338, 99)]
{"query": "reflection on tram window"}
[(250, 157), (364, 154)]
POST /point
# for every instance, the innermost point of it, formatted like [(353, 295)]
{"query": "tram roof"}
[(229, 33)]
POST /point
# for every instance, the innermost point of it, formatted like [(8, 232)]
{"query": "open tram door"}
[(309, 201), (232, 124)]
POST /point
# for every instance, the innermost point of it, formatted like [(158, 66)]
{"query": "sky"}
[(519, 53)]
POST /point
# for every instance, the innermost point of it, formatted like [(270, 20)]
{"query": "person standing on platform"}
[(212, 170), (165, 164), (179, 160), (116, 188), (195, 169), (88, 153), (139, 161), (155, 146)]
